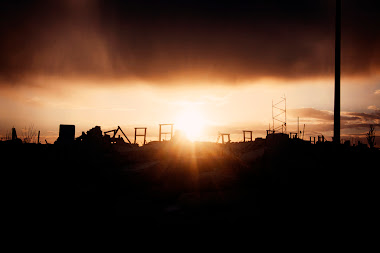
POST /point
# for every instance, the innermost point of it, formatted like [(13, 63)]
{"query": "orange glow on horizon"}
[(191, 122)]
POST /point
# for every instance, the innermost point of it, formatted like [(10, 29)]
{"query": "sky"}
[(206, 66)]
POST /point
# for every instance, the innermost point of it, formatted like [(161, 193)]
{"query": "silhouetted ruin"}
[(94, 137), (66, 134), (14, 138), (14, 134), (114, 139)]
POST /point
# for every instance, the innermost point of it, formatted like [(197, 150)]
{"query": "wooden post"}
[(159, 134), (144, 135)]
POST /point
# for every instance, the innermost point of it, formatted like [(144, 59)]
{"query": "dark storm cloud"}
[(161, 41)]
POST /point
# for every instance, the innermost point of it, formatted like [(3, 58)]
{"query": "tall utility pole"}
[(336, 138)]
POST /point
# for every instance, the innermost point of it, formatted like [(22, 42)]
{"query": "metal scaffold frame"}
[(279, 115)]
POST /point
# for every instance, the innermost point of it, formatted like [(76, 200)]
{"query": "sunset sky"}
[(142, 63)]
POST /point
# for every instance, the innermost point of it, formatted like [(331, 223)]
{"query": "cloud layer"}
[(163, 41), (321, 120)]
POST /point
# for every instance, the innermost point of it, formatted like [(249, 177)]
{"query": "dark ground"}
[(202, 183)]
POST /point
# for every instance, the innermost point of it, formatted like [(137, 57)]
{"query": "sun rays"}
[(191, 122)]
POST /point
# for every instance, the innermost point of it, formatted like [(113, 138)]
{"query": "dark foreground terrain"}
[(184, 183)]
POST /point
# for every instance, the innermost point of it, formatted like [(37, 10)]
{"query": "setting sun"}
[(191, 122)]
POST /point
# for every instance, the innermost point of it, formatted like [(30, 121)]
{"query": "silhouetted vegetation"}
[(371, 136), (29, 134)]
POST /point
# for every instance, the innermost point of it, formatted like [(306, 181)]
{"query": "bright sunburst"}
[(191, 123)]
